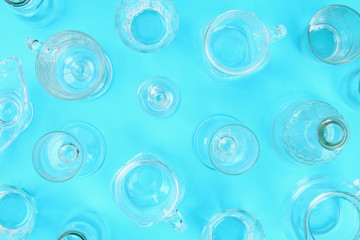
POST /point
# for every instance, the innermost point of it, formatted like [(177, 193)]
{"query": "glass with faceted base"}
[(71, 65), (147, 192), (233, 224), (76, 149)]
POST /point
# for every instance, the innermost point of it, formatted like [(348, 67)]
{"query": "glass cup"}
[(17, 213), (334, 34), (147, 192), (237, 43), (350, 90), (146, 26), (159, 96), (310, 132), (324, 208), (15, 107), (233, 225), (71, 65), (84, 226), (223, 143), (76, 149)]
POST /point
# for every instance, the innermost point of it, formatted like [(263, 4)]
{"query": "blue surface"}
[(128, 130)]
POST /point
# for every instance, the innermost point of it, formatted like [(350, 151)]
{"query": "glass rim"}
[(72, 233), (18, 3)]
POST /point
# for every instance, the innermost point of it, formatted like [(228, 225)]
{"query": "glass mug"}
[(15, 107), (237, 43), (309, 131), (71, 65), (223, 143), (325, 208), (147, 192), (17, 213), (76, 149), (146, 26), (350, 90), (334, 34), (233, 224)]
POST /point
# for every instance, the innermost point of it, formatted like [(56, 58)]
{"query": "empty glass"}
[(71, 65), (15, 108), (159, 96), (351, 90), (233, 225), (334, 34), (223, 143), (311, 132), (146, 26), (323, 208), (76, 149), (237, 43), (147, 192), (17, 213)]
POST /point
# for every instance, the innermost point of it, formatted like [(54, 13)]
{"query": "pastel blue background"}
[(128, 130)]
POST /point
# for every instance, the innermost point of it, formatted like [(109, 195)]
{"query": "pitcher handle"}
[(277, 32)]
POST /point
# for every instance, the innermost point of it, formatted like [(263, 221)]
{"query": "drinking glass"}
[(71, 65), (309, 131), (146, 26), (159, 96), (237, 43), (325, 208), (15, 107), (147, 192), (223, 143), (76, 149), (84, 226), (334, 34), (233, 224), (351, 90), (17, 213)]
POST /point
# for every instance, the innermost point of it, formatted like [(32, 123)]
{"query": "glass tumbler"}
[(146, 26), (325, 208), (310, 132), (76, 149), (237, 43), (334, 34), (147, 192), (71, 65), (223, 143), (15, 107), (233, 225), (17, 213)]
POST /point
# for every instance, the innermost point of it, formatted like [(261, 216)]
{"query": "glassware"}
[(334, 34), (237, 43), (84, 226), (351, 90), (311, 132), (233, 225), (159, 96), (71, 65), (17, 213), (324, 208), (147, 192), (37, 11), (76, 149), (15, 108), (223, 143), (146, 26)]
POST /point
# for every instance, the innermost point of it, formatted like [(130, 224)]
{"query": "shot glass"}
[(237, 43), (17, 213), (334, 34), (223, 143), (350, 90), (147, 192), (159, 96), (15, 107), (325, 208), (233, 225), (71, 65), (310, 132), (76, 149), (146, 26)]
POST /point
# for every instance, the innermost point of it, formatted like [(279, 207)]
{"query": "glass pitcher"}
[(15, 108)]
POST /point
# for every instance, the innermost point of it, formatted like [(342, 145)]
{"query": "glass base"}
[(107, 80)]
